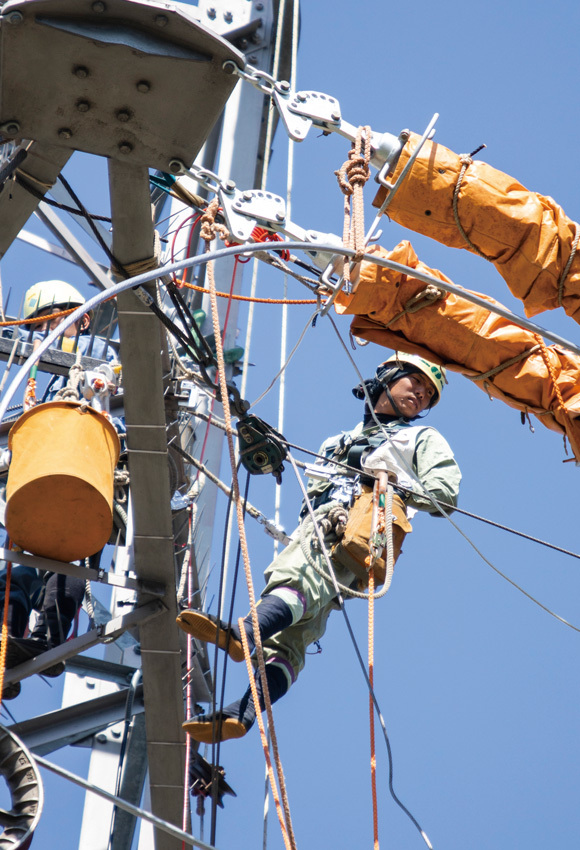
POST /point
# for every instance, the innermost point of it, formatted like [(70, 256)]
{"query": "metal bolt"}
[(125, 147), (15, 18), (102, 738), (99, 6), (10, 127), (161, 20), (404, 134), (123, 115), (83, 105), (301, 97), (335, 115), (284, 85), (176, 166), (243, 43), (259, 6), (280, 216), (228, 17), (247, 196), (115, 733), (229, 185), (65, 133), (143, 86), (211, 13), (81, 72), (253, 58)]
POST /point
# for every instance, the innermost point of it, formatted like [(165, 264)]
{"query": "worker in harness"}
[(57, 598), (297, 599)]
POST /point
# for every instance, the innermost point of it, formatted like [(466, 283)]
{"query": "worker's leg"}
[(284, 656), (62, 601), (274, 614), (294, 590)]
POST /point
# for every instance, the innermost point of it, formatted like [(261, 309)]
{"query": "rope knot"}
[(427, 296), (209, 227)]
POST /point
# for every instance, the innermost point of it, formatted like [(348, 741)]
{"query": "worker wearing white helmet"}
[(297, 600), (46, 297)]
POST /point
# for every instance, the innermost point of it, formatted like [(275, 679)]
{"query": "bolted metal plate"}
[(133, 80)]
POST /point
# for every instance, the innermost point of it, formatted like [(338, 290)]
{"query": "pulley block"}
[(262, 448)]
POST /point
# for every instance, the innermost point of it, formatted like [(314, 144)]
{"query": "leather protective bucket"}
[(59, 495)]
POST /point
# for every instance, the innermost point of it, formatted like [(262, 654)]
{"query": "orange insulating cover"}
[(469, 339), (59, 495), (526, 236)]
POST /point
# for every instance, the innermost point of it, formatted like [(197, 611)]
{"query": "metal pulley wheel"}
[(262, 448)]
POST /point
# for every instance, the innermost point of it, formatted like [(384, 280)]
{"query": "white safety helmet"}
[(403, 364), (51, 295)]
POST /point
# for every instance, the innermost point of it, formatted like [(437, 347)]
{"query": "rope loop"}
[(352, 177)]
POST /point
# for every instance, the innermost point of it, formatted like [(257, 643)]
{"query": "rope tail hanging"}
[(208, 231)]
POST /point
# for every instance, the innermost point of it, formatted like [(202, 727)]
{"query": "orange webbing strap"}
[(263, 735), (372, 707), (4, 645), (208, 231)]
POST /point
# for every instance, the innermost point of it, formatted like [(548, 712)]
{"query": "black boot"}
[(273, 616), (62, 601), (238, 718)]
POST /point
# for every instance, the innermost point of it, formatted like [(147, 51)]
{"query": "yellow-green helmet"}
[(50, 294), (401, 363)]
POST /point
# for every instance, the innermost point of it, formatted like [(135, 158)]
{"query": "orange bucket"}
[(59, 495)]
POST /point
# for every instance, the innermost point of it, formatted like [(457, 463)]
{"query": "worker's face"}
[(71, 331), (412, 394)]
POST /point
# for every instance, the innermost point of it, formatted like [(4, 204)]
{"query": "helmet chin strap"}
[(394, 404)]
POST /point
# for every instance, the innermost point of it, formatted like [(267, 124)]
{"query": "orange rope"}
[(38, 320), (263, 736), (249, 298), (372, 707), (4, 645), (546, 358), (208, 231)]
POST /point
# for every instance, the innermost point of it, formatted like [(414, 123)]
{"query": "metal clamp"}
[(244, 210)]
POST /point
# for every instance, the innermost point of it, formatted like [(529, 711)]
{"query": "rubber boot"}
[(238, 718), (273, 616), (62, 601)]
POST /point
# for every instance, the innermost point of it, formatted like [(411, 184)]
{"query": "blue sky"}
[(478, 686)]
